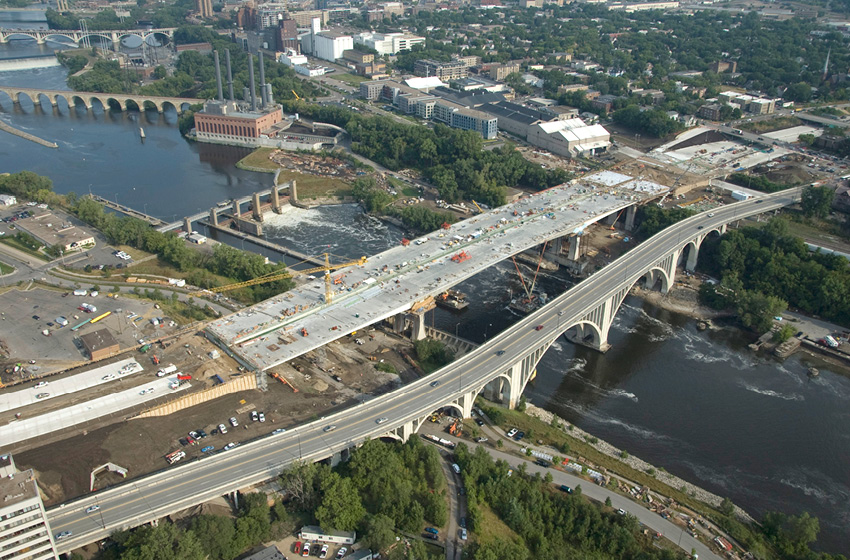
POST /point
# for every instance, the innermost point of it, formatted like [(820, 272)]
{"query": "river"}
[(698, 404)]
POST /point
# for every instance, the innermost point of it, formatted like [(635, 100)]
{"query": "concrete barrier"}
[(244, 383)]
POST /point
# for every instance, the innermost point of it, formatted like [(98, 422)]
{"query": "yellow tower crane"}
[(327, 268)]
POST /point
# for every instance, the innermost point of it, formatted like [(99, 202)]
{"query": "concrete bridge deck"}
[(108, 100), (270, 333)]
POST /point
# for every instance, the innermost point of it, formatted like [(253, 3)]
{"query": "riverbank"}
[(682, 299)]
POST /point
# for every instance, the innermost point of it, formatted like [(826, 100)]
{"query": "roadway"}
[(171, 490), (270, 333)]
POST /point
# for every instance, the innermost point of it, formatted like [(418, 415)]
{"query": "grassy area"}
[(350, 79), (12, 242), (258, 160), (315, 186), (492, 528), (136, 254), (769, 125), (537, 430), (6, 269)]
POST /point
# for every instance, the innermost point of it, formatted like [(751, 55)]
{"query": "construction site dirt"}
[(330, 378)]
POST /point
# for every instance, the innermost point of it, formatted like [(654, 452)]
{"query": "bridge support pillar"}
[(293, 191), (465, 403), (417, 325), (631, 211), (214, 216), (575, 248), (611, 219), (257, 212), (236, 208), (187, 225), (116, 42), (275, 198)]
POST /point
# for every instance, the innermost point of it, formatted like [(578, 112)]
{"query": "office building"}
[(458, 116), (287, 35), (388, 43), (24, 531), (515, 118)]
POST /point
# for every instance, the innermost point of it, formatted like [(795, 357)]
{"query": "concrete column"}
[(611, 219), (258, 215), (417, 325), (214, 216), (187, 225), (575, 246), (631, 211), (398, 323), (116, 42), (236, 208), (693, 256), (293, 192), (275, 199)]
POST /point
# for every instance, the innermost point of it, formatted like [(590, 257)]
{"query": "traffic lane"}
[(618, 501)]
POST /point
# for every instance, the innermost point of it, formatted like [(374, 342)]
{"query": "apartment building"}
[(24, 531)]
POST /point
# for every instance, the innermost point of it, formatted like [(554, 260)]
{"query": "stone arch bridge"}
[(120, 101)]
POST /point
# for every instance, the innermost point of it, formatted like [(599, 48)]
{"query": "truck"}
[(830, 341), (175, 456), (170, 368), (738, 131), (81, 292)]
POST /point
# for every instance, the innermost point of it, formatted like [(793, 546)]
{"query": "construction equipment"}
[(446, 225), (461, 257), (155, 359), (297, 97), (405, 242), (304, 332), (480, 211), (423, 306), (283, 380), (288, 274)]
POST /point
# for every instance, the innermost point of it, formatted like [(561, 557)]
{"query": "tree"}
[(341, 508), (163, 542), (817, 201), (378, 532), (806, 139), (757, 310), (217, 533)]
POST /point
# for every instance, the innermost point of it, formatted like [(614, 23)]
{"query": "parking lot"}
[(35, 311)]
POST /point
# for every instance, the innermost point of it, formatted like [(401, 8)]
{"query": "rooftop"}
[(98, 340), (18, 488)]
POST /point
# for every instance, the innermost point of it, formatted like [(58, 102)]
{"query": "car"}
[(500, 353), (222, 428), (435, 384), (565, 488), (519, 436), (479, 421), (36, 317), (431, 536), (759, 201), (262, 417), (512, 432), (62, 535), (621, 511), (190, 440), (42, 395), (279, 431), (94, 293), (194, 434), (92, 509), (230, 445), (297, 548), (481, 440), (146, 391), (543, 463), (700, 227), (324, 552), (233, 422), (254, 416), (305, 550), (711, 214), (341, 552), (49, 323), (463, 534), (202, 434), (108, 377), (538, 328), (432, 530), (381, 420), (330, 428), (41, 384), (207, 449), (462, 522)]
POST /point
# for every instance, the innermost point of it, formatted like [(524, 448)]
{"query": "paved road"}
[(72, 384), (163, 493), (618, 501)]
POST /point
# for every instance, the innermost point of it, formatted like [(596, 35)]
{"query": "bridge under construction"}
[(399, 282)]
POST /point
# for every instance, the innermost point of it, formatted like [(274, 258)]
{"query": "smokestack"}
[(229, 75), (252, 85), (262, 80), (218, 77)]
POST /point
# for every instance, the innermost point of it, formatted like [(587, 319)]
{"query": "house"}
[(7, 200)]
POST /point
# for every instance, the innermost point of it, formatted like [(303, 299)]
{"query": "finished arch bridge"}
[(119, 101)]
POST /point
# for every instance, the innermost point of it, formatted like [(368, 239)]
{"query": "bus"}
[(99, 317)]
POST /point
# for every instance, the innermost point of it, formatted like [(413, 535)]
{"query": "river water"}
[(698, 404)]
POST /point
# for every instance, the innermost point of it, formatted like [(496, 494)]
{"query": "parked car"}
[(233, 422), (222, 428), (512, 432), (297, 548), (262, 417), (254, 416), (323, 553), (341, 552)]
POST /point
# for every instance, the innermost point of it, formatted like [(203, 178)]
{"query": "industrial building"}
[(286, 36), (243, 123), (99, 344), (570, 138), (24, 531), (49, 230), (327, 45), (515, 118), (388, 43)]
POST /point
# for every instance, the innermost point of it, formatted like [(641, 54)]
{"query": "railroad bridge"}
[(119, 101)]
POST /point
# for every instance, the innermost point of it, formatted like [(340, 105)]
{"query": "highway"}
[(288, 325), (155, 496)]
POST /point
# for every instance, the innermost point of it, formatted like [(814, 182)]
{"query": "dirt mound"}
[(703, 138)]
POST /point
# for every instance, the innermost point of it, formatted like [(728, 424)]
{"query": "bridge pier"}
[(257, 213), (214, 216), (631, 211), (275, 198), (235, 208), (187, 225)]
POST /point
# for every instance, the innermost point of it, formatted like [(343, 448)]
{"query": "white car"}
[(92, 509), (230, 445), (513, 432), (341, 552), (262, 417), (233, 422), (381, 420), (41, 384), (324, 552)]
